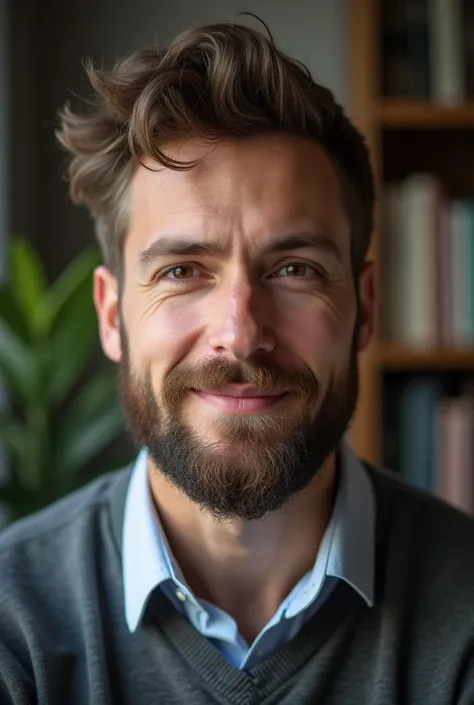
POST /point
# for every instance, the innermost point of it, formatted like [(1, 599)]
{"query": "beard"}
[(260, 462)]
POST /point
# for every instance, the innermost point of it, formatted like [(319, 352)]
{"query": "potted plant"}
[(60, 417)]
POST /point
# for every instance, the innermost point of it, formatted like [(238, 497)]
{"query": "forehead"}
[(252, 187)]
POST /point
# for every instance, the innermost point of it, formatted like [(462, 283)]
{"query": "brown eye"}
[(296, 270), (180, 273)]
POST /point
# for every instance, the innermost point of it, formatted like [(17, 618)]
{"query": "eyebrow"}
[(298, 241), (167, 246)]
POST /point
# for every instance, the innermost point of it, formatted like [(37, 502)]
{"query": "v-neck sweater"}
[(64, 636)]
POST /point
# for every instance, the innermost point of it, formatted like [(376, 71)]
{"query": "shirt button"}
[(181, 596)]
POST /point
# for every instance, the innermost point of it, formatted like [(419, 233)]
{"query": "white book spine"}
[(418, 262), (446, 51)]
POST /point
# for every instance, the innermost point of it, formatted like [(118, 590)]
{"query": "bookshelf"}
[(422, 115), (405, 135), (397, 357)]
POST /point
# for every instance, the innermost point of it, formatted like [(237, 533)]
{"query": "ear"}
[(366, 286), (106, 300)]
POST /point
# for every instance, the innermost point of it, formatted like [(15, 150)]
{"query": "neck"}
[(246, 568)]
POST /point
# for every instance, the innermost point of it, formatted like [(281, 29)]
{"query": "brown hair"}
[(216, 81)]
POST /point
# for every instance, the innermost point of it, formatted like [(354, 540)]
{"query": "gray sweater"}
[(64, 640)]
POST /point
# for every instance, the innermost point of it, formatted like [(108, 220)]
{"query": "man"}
[(248, 556)]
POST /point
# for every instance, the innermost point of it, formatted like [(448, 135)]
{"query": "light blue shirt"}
[(346, 553)]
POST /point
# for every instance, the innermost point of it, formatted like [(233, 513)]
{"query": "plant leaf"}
[(18, 367), (14, 438), (87, 441), (73, 339), (98, 395), (12, 315), (77, 277), (95, 407), (27, 276), (18, 440)]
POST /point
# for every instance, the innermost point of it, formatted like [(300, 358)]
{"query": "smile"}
[(241, 400)]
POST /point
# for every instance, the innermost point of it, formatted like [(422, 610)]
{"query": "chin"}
[(246, 431)]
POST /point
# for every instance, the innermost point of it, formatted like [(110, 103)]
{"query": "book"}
[(470, 266), (468, 37), (418, 50), (454, 474), (416, 261), (427, 265), (444, 276), (418, 403), (462, 274), (446, 42)]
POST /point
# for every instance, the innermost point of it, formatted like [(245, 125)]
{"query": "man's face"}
[(239, 324)]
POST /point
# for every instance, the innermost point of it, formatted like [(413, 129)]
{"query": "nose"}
[(237, 326)]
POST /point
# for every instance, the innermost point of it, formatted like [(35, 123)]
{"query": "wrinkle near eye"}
[(153, 300)]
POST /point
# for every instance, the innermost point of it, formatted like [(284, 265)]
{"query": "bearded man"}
[(248, 556)]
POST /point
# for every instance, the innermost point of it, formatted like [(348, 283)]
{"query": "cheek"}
[(319, 336), (161, 337)]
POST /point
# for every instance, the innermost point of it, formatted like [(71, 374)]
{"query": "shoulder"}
[(422, 622), (43, 536), (405, 508), (52, 566), (422, 539), (425, 583)]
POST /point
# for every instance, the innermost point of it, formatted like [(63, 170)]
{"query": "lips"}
[(241, 402), (241, 391)]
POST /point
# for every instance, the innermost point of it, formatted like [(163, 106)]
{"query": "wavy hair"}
[(217, 81)]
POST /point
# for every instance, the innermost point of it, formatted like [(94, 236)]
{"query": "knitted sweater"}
[(64, 639)]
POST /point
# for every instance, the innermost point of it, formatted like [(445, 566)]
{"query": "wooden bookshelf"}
[(394, 357), (403, 136), (422, 115)]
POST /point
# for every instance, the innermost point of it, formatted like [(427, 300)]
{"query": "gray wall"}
[(49, 40), (4, 181), (4, 133)]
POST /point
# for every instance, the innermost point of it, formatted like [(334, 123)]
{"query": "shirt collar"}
[(145, 560), (354, 530), (347, 550)]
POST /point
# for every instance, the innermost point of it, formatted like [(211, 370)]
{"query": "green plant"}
[(60, 417)]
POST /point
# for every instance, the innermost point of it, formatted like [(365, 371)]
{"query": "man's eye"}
[(297, 270), (181, 272)]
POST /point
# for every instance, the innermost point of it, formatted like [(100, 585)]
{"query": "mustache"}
[(214, 373)]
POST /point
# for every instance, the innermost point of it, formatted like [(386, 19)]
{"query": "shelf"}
[(409, 114), (394, 357)]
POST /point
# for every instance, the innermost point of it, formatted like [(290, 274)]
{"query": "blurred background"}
[(404, 71)]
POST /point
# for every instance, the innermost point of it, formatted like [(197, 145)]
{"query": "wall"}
[(4, 133), (4, 181), (51, 38)]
